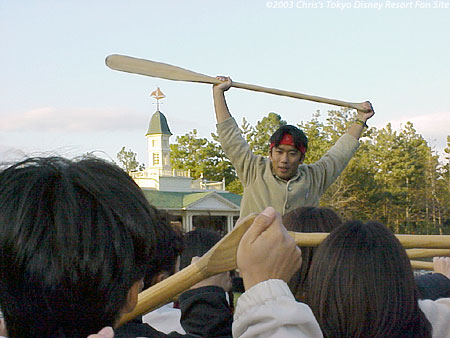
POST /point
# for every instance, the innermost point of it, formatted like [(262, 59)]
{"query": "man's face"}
[(285, 160)]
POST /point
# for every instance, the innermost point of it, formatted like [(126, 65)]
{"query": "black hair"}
[(75, 236), (196, 243), (167, 250), (433, 286), (362, 285), (308, 219), (297, 134)]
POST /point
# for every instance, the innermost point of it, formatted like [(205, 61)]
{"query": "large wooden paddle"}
[(165, 71), (222, 257)]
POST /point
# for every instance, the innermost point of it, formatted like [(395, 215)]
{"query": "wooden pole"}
[(419, 265), (408, 241), (427, 253)]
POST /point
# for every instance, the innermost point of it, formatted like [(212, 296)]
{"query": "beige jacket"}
[(262, 188)]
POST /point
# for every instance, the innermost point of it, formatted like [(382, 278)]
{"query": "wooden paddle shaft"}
[(408, 241), (158, 294), (427, 253), (166, 71), (419, 265)]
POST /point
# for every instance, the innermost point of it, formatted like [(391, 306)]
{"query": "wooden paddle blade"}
[(156, 69), (222, 256)]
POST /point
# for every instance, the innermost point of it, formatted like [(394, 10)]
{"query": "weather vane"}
[(158, 95)]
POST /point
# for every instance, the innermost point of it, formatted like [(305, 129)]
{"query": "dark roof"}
[(179, 200), (158, 124)]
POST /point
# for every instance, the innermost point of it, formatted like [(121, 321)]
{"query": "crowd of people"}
[(79, 241)]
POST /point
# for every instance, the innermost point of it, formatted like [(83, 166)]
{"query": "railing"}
[(208, 185), (199, 184), (152, 173)]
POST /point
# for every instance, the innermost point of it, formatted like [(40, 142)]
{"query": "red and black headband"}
[(288, 140)]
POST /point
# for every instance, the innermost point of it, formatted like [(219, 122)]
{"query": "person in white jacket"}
[(267, 257)]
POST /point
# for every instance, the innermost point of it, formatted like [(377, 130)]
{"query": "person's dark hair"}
[(196, 243), (75, 236), (297, 134), (167, 250), (433, 286), (308, 219), (362, 285)]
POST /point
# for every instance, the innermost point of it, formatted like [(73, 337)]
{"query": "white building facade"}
[(190, 201)]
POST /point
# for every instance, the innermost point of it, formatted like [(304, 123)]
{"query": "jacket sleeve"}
[(269, 310), (326, 170), (438, 314), (238, 151), (205, 312)]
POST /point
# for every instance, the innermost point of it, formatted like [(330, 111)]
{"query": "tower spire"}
[(158, 95)]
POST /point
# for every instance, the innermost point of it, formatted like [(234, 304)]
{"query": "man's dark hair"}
[(297, 134), (168, 248), (75, 236)]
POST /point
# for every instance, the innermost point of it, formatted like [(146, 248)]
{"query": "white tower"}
[(158, 135)]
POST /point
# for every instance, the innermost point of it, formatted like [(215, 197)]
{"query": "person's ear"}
[(161, 276), (132, 296), (302, 158)]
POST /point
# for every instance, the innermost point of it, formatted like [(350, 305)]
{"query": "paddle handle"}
[(160, 293), (296, 95), (408, 241), (419, 265), (427, 253)]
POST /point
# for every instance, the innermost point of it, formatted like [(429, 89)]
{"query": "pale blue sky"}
[(57, 95)]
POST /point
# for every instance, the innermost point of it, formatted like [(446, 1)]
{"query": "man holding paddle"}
[(282, 180)]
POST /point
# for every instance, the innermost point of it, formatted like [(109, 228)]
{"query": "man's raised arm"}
[(357, 127), (220, 105)]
